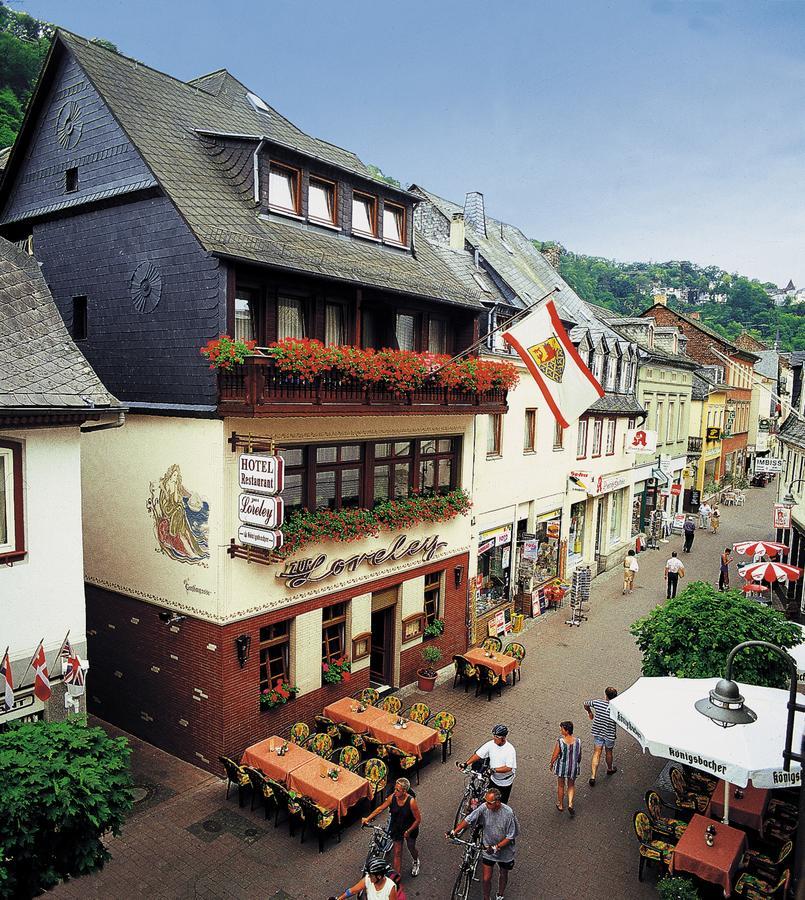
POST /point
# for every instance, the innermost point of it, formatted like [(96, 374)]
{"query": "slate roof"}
[(797, 357), (165, 119), (40, 366), (697, 323), (4, 155), (767, 364), (792, 431)]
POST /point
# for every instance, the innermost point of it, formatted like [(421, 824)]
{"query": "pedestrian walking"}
[(705, 511), (500, 830), (565, 763), (404, 821), (724, 573), (715, 520), (502, 759), (689, 529), (603, 732), (630, 569), (673, 570)]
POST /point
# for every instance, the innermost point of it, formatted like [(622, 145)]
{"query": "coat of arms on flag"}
[(550, 359)]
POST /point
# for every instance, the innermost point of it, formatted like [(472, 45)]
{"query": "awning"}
[(661, 477)]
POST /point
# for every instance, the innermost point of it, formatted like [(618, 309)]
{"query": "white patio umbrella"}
[(660, 714)]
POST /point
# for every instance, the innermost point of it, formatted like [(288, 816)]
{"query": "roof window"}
[(258, 104)]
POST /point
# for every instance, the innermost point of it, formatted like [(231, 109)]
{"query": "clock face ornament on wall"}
[(69, 124), (146, 287)]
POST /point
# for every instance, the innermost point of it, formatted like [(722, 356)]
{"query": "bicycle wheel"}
[(461, 889), (468, 803)]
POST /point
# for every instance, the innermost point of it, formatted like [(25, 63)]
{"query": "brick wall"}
[(182, 688)]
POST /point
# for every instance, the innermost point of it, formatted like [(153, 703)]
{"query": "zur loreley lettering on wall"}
[(260, 511)]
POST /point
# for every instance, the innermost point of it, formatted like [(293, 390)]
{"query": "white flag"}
[(568, 386)]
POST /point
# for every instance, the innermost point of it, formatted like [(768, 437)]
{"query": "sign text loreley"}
[(264, 512), (260, 473), (318, 568), (641, 440)]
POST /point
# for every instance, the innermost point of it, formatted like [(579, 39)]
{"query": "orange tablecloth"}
[(747, 810), (716, 864), (501, 663), (276, 767), (415, 739), (343, 710), (338, 795)]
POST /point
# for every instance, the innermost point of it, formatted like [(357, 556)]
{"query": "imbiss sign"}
[(260, 477)]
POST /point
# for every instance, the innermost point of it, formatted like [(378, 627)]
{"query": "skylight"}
[(259, 104), (481, 283)]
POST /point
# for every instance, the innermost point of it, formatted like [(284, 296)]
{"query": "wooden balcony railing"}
[(258, 388), (695, 445)]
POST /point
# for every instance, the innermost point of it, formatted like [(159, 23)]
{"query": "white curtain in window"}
[(282, 189), (363, 215), (290, 318), (437, 336), (405, 331), (244, 319), (393, 223), (334, 326), (320, 201)]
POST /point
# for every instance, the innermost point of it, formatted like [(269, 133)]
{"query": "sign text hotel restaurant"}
[(260, 511)]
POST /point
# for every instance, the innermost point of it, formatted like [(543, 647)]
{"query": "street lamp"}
[(790, 501)]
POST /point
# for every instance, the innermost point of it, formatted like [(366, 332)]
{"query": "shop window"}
[(540, 554), (598, 432), (290, 318), (494, 569), (393, 223), (575, 538), (335, 330), (493, 435), (321, 205), (12, 534), (433, 597), (333, 632), (530, 431), (615, 516), (637, 514), (558, 436), (275, 645), (581, 439), (283, 188), (611, 427), (364, 214)]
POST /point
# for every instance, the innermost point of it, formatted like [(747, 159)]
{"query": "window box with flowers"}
[(335, 671), (278, 695), (434, 629), (225, 352)]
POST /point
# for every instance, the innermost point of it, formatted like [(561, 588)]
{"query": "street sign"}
[(768, 464), (261, 473), (259, 537), (264, 512), (713, 434), (639, 440), (676, 490), (782, 516)]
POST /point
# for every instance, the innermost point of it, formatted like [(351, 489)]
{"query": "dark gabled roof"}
[(792, 431), (768, 363), (4, 155), (40, 366), (797, 358), (166, 119), (696, 323), (617, 404)]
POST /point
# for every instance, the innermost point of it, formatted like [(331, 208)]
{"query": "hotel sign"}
[(264, 512), (260, 477), (261, 473)]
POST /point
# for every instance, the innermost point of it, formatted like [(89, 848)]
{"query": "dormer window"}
[(321, 201), (364, 214), (283, 189), (393, 223)]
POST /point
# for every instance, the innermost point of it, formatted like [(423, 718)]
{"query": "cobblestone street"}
[(185, 840)]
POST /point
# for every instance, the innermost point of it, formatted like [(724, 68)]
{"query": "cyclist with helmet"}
[(377, 883), (502, 759)]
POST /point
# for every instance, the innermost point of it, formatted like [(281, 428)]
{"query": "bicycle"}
[(477, 783), (380, 844), (469, 863)]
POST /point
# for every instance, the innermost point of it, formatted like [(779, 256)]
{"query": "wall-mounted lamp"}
[(243, 644), (170, 618), (458, 574)]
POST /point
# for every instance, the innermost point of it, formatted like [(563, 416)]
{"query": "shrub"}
[(431, 654), (691, 636), (64, 785), (674, 888)]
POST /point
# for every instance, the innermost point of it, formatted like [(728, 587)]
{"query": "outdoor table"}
[(414, 739), (311, 780), (747, 810), (259, 756), (500, 663), (344, 710), (716, 864)]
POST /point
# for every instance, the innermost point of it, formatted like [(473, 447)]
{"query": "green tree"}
[(377, 174), (10, 117), (64, 785), (691, 635)]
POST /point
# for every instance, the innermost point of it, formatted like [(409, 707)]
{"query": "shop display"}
[(494, 570), (575, 541)]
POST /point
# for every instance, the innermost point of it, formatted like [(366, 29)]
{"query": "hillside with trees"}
[(727, 302)]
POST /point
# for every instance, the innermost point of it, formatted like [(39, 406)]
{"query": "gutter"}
[(119, 423), (256, 165)]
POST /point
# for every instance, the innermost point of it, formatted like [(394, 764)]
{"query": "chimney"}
[(553, 254), (694, 315), (457, 231), (474, 214)]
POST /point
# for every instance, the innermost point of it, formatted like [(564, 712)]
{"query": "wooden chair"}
[(488, 681), (369, 696), (494, 644), (518, 652), (753, 887), (651, 848), (418, 712), (466, 672), (349, 757), (319, 743), (684, 797), (406, 762), (351, 738), (327, 726), (320, 819), (666, 828), (376, 772), (235, 775), (261, 788), (390, 704), (444, 722)]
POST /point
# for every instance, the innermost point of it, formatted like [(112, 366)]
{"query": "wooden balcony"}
[(258, 389), (694, 446)]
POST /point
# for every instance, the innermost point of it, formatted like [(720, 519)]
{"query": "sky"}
[(630, 129)]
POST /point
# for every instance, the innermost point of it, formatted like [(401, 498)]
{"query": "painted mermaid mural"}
[(180, 519)]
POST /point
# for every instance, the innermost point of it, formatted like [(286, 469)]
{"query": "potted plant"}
[(426, 676), (335, 671), (434, 630), (674, 888)]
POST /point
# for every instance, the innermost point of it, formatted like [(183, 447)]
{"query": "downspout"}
[(256, 166), (121, 421)]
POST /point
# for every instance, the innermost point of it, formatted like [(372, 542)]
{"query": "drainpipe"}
[(256, 165), (121, 421)]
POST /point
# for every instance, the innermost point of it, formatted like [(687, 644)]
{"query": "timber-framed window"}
[(275, 645)]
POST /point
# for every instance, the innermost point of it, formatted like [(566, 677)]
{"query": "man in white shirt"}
[(502, 760), (704, 515), (673, 569)]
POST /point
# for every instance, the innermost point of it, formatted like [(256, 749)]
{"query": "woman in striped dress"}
[(565, 764)]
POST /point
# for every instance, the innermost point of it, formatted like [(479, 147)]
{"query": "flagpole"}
[(508, 324), (60, 648), (41, 642)]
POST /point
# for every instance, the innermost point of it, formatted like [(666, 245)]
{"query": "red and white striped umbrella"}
[(766, 548), (770, 571), (750, 588)]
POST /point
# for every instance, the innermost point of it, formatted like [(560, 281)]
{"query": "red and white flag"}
[(568, 386), (8, 683), (73, 671), (41, 676)]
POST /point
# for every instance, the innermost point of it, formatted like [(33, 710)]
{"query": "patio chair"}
[(390, 704), (516, 650), (327, 726), (651, 848), (418, 712), (494, 644), (320, 819), (779, 830), (369, 696), (374, 747), (406, 762), (699, 782), (666, 828), (767, 863), (351, 738), (298, 733), (782, 810), (376, 772), (488, 681), (684, 796), (444, 722), (753, 887), (319, 743), (235, 775), (466, 672), (261, 788), (287, 801), (349, 757)]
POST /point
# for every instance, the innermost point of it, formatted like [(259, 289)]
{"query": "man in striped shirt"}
[(603, 731)]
